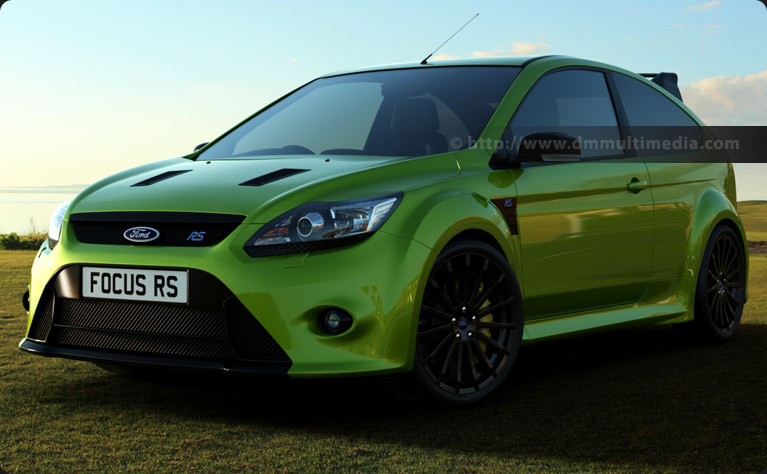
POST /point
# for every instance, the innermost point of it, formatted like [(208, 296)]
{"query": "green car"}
[(421, 221)]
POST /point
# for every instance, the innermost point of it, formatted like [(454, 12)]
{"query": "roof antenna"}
[(443, 44)]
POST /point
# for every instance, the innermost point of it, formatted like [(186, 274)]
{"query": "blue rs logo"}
[(196, 236)]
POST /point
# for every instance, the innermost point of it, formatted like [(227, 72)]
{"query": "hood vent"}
[(273, 176), (160, 177)]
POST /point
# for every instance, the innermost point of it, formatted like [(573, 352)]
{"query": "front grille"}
[(177, 229), (227, 333)]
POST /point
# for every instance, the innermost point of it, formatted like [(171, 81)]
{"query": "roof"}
[(485, 61)]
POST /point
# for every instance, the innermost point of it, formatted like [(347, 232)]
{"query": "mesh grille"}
[(140, 317), (157, 330), (249, 338), (145, 344), (41, 324)]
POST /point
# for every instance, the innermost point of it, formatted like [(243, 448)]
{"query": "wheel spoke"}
[(712, 307), (732, 295), (438, 348), (459, 368), (442, 295), (489, 309), (465, 279), (732, 273), (435, 312), (713, 288), (487, 291), (473, 367), (456, 281), (729, 310), (721, 309), (436, 330), (483, 356), (447, 360), (727, 257), (479, 280), (493, 342)]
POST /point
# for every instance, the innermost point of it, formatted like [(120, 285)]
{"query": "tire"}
[(720, 291), (470, 324)]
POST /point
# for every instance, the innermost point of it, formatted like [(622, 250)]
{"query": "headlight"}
[(322, 226), (54, 227)]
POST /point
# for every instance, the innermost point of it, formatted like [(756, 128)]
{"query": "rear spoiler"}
[(666, 80)]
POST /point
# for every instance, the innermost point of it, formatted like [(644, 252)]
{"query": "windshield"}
[(401, 112)]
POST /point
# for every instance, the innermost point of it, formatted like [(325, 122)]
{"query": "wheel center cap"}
[(463, 323)]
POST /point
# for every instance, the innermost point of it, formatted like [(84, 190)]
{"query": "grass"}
[(643, 400), (754, 216)]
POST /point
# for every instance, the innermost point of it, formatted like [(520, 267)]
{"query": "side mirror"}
[(548, 147), (201, 145)]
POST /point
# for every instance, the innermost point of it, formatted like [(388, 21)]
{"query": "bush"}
[(31, 241)]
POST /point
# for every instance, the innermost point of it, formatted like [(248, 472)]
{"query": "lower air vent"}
[(222, 330)]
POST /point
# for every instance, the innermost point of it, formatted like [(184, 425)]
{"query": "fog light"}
[(335, 321)]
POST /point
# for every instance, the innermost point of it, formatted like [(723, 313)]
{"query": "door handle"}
[(635, 185)]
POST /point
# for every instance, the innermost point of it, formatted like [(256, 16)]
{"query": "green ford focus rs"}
[(417, 220)]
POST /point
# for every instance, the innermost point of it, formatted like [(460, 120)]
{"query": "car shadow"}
[(646, 397)]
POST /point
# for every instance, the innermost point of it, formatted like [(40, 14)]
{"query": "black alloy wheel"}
[(470, 326), (720, 292)]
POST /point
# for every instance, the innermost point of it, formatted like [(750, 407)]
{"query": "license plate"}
[(166, 286)]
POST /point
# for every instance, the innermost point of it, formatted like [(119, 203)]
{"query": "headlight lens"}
[(322, 226), (57, 221)]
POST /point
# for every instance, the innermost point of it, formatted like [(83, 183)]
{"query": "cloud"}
[(735, 100), (714, 27), (292, 60), (439, 56), (517, 48), (678, 26), (703, 6)]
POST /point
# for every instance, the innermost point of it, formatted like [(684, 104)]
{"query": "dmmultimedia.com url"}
[(677, 144)]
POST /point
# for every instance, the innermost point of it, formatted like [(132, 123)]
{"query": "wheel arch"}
[(471, 217), (712, 210)]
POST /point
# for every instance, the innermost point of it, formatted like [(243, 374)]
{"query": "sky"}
[(92, 87)]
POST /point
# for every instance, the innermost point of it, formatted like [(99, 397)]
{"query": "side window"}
[(656, 122), (573, 102), (646, 107)]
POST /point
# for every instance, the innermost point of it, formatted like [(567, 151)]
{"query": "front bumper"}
[(377, 282)]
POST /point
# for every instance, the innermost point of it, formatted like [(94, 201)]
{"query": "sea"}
[(27, 209)]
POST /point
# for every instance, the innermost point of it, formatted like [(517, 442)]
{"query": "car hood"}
[(217, 186)]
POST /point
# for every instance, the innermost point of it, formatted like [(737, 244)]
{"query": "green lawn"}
[(754, 216), (634, 401)]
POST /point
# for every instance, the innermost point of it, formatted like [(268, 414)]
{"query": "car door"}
[(586, 228), (678, 175)]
